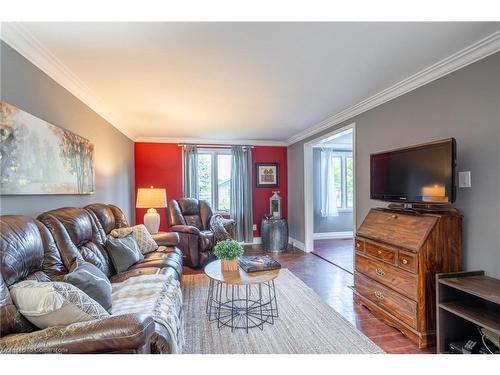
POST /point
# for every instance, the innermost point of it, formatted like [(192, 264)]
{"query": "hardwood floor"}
[(337, 251), (333, 285)]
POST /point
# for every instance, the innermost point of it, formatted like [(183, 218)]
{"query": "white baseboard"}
[(299, 245), (332, 235), (256, 241)]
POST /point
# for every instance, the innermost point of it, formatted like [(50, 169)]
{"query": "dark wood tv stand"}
[(397, 255), (465, 301)]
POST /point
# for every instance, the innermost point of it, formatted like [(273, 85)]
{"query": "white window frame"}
[(343, 173), (215, 185)]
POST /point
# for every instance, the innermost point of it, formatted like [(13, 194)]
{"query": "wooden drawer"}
[(394, 303), (401, 281), (359, 245), (385, 253), (408, 261)]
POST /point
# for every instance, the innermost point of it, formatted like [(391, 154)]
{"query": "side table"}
[(274, 234), (241, 300)]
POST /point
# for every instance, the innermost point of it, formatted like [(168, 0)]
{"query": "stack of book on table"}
[(255, 263)]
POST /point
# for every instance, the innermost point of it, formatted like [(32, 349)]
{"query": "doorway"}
[(329, 163)]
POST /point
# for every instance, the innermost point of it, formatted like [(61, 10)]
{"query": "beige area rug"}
[(305, 325)]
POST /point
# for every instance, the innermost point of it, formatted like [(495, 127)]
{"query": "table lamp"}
[(151, 198)]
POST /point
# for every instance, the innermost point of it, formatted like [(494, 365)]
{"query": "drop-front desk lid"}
[(402, 229)]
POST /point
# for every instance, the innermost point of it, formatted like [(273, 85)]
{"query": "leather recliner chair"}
[(190, 218)]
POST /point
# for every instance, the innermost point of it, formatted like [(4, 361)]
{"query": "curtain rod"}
[(209, 146)]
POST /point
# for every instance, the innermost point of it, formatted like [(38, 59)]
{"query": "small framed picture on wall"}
[(267, 175)]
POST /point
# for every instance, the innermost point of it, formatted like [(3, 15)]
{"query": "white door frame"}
[(309, 188)]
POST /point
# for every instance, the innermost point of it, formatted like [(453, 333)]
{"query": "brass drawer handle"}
[(394, 216), (379, 252), (404, 261), (379, 295), (380, 272)]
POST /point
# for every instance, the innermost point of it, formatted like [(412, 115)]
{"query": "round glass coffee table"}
[(241, 300)]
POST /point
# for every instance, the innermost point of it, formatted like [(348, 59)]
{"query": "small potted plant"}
[(228, 252)]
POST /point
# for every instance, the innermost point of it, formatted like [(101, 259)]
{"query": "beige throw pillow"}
[(48, 304), (141, 235)]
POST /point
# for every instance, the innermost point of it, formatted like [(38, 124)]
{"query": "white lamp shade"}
[(151, 198)]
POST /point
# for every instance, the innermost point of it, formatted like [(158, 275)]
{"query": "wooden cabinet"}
[(397, 255), (466, 301)]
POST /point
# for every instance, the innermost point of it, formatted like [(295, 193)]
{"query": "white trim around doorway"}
[(308, 184)]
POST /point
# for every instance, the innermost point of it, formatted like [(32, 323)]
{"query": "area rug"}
[(306, 325)]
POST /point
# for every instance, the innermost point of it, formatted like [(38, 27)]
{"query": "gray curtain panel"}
[(190, 171), (241, 192)]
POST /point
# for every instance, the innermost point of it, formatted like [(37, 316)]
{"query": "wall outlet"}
[(464, 179), (254, 227)]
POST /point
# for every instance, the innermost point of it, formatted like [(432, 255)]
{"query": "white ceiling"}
[(243, 81)]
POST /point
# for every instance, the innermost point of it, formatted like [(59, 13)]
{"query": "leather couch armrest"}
[(130, 333), (185, 229), (166, 238)]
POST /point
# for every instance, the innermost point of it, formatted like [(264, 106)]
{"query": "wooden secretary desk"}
[(397, 255)]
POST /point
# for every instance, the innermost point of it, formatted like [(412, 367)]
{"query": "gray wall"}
[(340, 223), (26, 87), (464, 105)]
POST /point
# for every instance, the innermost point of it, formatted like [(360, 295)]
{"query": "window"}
[(343, 179), (214, 178)]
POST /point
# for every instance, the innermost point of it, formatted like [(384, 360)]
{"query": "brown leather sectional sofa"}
[(44, 249)]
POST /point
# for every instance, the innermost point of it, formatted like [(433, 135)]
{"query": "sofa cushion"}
[(90, 279), (26, 246), (109, 216), (124, 252), (144, 239), (48, 304), (79, 236), (158, 296)]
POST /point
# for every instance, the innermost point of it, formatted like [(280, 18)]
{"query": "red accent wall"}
[(263, 154), (160, 165)]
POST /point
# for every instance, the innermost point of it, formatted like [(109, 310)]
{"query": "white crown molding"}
[(204, 141), (15, 35), (476, 51), (20, 39)]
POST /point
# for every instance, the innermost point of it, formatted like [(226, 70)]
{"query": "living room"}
[(180, 187)]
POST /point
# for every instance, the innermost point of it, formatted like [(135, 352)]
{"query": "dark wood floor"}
[(333, 285), (337, 251)]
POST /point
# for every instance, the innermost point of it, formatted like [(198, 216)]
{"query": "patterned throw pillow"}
[(217, 226), (48, 304), (144, 240), (123, 252)]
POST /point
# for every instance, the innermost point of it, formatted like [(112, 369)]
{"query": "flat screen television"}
[(418, 174)]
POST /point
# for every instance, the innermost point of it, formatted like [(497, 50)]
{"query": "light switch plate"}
[(464, 179), (254, 227)]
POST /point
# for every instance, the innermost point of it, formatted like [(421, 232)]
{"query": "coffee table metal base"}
[(242, 306)]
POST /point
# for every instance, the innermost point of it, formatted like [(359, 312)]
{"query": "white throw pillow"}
[(141, 235), (48, 304)]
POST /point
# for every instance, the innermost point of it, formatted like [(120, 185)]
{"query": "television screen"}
[(418, 174)]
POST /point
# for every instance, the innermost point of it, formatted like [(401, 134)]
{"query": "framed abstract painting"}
[(267, 175), (40, 158)]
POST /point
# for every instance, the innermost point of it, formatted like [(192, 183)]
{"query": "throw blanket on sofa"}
[(159, 296)]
